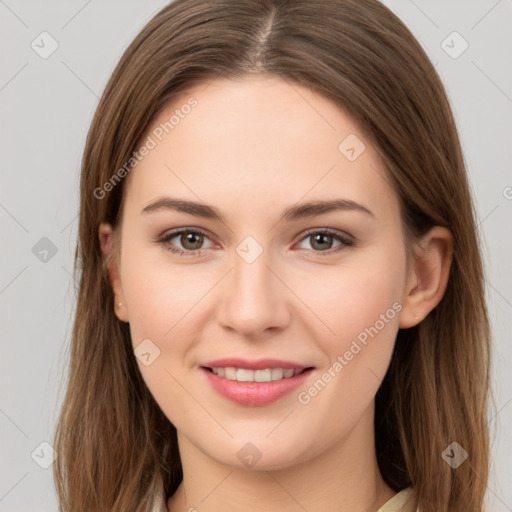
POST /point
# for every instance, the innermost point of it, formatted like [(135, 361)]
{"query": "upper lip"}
[(259, 364)]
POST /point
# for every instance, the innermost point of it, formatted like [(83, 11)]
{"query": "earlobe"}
[(110, 258), (428, 276)]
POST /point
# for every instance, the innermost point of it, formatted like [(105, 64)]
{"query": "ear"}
[(111, 259), (427, 278)]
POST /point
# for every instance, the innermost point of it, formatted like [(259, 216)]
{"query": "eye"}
[(190, 240), (323, 240)]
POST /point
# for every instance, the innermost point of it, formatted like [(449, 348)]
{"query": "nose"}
[(254, 299)]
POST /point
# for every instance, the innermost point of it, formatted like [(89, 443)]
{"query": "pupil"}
[(189, 238), (322, 238)]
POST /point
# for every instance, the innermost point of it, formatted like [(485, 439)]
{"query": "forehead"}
[(248, 140)]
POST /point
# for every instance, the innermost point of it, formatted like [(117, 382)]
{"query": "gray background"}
[(46, 108)]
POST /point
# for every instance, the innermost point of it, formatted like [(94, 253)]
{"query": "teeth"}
[(263, 375), (229, 373), (277, 373), (244, 375)]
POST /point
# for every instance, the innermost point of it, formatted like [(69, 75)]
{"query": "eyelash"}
[(346, 242)]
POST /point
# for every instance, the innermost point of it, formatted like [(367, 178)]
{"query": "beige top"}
[(395, 504), (398, 502)]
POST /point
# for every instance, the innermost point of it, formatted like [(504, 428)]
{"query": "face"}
[(316, 288)]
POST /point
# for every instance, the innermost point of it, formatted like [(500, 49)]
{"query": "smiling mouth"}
[(265, 375)]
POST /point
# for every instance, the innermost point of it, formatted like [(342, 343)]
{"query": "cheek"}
[(161, 296), (366, 304), (349, 300), (162, 300), (361, 305), (165, 300), (359, 308)]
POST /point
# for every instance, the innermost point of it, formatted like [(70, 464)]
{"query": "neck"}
[(343, 477)]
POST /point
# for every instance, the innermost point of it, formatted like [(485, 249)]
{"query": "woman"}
[(221, 357)]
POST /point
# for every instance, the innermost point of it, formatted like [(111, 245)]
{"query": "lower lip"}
[(255, 393)]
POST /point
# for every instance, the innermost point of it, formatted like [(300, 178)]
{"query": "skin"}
[(253, 147)]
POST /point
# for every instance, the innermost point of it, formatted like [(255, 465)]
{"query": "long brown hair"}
[(115, 446)]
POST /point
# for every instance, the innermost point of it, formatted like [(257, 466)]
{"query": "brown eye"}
[(191, 241), (188, 242), (322, 240)]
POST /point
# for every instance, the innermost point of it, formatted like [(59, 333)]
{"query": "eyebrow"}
[(304, 210)]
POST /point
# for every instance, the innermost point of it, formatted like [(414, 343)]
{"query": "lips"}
[(260, 364), (253, 393)]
